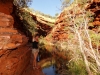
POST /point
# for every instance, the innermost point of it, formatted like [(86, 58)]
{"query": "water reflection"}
[(50, 70)]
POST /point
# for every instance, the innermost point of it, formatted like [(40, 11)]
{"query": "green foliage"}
[(21, 3), (41, 44), (95, 37), (81, 1), (65, 3), (79, 44), (56, 14), (90, 16), (38, 12), (28, 21), (76, 67)]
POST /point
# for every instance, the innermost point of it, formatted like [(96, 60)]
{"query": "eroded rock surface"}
[(14, 49)]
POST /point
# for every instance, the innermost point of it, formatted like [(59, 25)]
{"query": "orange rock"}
[(5, 16), (2, 52), (96, 0), (16, 38), (6, 20), (63, 36), (99, 16), (96, 23), (5, 24), (12, 62), (4, 40), (6, 6), (15, 62), (97, 19), (10, 46), (8, 31)]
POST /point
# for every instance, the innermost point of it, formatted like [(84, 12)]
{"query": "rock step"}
[(9, 46), (14, 62), (6, 16), (17, 38), (6, 20), (11, 41), (8, 31), (96, 23), (6, 23), (4, 40)]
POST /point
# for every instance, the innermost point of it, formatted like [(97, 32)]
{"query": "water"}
[(49, 70)]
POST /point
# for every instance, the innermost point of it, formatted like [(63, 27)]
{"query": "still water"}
[(49, 70)]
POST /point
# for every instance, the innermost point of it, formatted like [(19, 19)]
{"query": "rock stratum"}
[(15, 52), (60, 32)]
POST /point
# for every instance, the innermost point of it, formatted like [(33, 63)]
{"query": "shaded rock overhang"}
[(44, 24)]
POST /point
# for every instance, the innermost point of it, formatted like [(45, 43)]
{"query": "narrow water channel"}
[(47, 62), (49, 70)]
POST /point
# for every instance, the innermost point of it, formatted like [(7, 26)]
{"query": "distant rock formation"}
[(95, 8), (58, 33)]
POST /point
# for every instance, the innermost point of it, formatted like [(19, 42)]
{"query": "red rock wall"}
[(6, 6), (14, 49), (95, 8)]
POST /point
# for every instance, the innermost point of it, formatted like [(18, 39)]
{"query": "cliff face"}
[(95, 8), (6, 6), (14, 49), (58, 32), (62, 31)]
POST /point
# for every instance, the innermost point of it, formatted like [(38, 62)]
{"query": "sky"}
[(50, 7)]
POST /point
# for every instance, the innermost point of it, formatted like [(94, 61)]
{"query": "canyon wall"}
[(15, 52)]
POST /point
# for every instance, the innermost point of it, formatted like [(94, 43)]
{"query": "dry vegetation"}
[(81, 44)]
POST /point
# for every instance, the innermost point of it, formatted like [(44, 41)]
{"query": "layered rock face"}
[(62, 31), (14, 49), (95, 7), (58, 31)]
